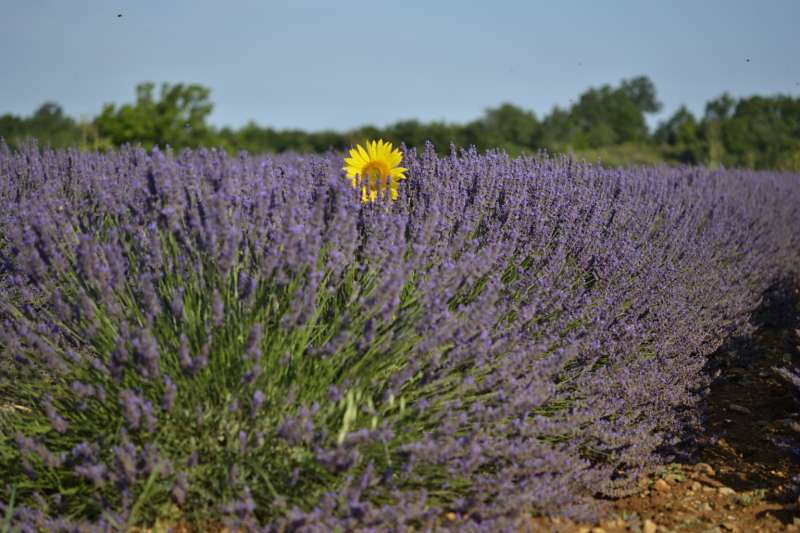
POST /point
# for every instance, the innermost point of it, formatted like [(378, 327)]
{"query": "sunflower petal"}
[(374, 168)]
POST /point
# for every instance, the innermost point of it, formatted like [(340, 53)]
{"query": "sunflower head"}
[(375, 170)]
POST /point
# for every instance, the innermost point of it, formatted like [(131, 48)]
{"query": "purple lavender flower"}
[(258, 400), (521, 334), (170, 393), (58, 423)]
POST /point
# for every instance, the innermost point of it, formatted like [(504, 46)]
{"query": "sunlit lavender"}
[(204, 339)]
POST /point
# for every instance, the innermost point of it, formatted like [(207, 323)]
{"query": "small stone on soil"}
[(649, 526), (661, 486), (740, 409), (726, 491), (704, 468)]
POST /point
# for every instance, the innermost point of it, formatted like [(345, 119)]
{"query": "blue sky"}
[(339, 64)]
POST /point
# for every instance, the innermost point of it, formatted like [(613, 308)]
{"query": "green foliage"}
[(605, 123), (201, 435), (682, 135), (642, 93), (509, 128), (762, 132), (623, 155), (756, 132), (604, 117), (214, 406), (48, 123), (177, 118), (414, 133)]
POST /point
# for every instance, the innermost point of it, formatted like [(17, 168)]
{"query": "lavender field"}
[(213, 340)]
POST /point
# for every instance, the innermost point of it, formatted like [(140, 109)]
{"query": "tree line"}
[(606, 123)]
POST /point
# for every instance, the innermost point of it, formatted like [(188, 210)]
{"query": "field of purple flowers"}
[(209, 339)]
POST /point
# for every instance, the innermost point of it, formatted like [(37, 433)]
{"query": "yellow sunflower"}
[(375, 170)]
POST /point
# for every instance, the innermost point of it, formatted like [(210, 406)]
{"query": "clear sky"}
[(317, 64)]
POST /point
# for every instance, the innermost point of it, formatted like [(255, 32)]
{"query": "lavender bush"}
[(206, 339)]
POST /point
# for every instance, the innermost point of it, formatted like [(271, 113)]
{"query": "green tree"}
[(604, 116), (558, 128), (606, 124), (177, 118), (681, 137), (48, 124), (762, 132), (510, 128), (11, 128), (720, 108), (641, 91)]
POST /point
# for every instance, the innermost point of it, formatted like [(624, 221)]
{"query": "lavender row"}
[(204, 338)]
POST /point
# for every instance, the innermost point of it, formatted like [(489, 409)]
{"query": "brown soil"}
[(742, 479)]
